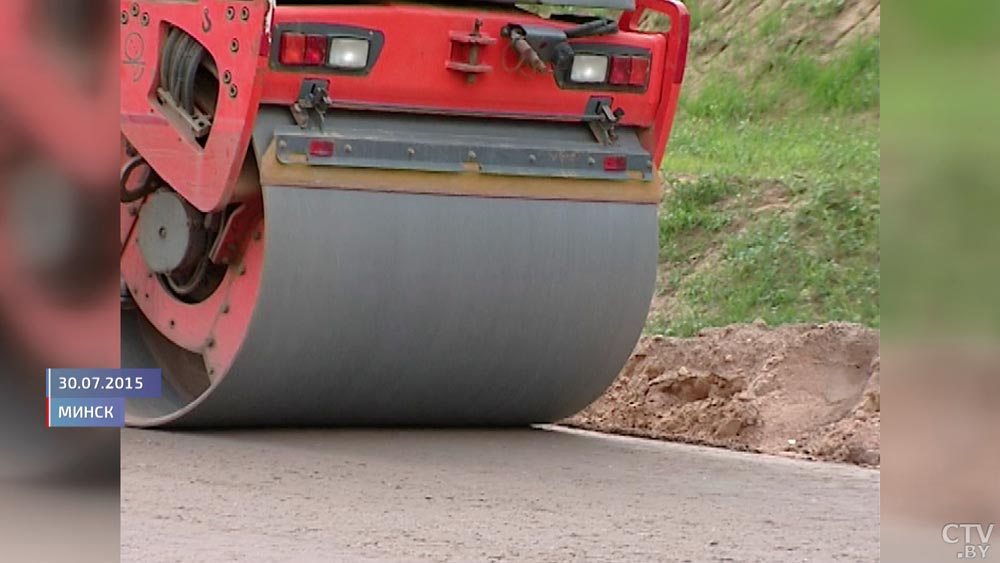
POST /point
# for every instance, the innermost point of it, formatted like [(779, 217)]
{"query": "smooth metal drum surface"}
[(391, 308)]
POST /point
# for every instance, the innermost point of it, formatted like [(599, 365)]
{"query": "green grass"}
[(772, 208), (771, 25), (697, 14), (826, 9), (794, 150), (772, 205), (792, 84), (693, 209), (848, 83)]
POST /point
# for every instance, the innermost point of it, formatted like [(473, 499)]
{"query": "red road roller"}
[(388, 213)]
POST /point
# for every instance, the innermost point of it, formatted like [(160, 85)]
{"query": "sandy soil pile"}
[(799, 390)]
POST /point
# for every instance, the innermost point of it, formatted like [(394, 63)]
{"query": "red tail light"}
[(315, 50), (299, 49), (327, 48), (293, 49), (628, 71), (621, 71), (590, 68), (640, 71)]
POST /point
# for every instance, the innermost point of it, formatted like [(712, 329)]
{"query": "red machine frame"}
[(229, 30), (239, 34)]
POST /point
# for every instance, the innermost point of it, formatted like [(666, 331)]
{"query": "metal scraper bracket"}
[(465, 52), (426, 143)]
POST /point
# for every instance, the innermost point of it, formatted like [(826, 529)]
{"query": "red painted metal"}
[(413, 72), (214, 327), (236, 233), (204, 176), (655, 137)]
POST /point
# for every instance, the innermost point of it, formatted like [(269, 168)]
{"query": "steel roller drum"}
[(382, 308)]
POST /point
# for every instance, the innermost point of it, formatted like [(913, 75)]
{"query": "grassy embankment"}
[(771, 208)]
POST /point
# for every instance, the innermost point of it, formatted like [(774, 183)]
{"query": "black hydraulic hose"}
[(168, 50), (174, 76), (190, 62), (559, 52), (148, 183), (601, 26)]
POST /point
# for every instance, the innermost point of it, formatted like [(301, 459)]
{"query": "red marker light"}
[(321, 149), (621, 71), (315, 50), (293, 49), (640, 71), (615, 163)]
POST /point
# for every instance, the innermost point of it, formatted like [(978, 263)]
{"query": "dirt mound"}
[(801, 390)]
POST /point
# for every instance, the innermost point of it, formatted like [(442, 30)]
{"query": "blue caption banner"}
[(89, 398), (103, 383), (89, 413)]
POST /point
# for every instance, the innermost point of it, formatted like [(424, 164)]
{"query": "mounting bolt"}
[(124, 17), (532, 158), (135, 8), (282, 144), (242, 269), (411, 152), (233, 91), (591, 161), (145, 19), (225, 309), (472, 155), (210, 343), (245, 13), (234, 45), (230, 13), (227, 77)]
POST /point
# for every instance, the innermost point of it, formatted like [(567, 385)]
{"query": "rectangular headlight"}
[(346, 52), (589, 68)]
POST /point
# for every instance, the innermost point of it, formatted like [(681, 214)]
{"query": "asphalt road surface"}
[(534, 495)]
